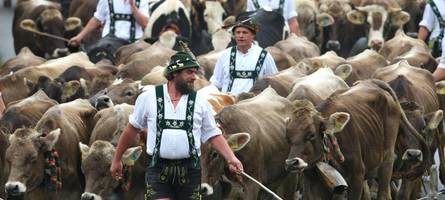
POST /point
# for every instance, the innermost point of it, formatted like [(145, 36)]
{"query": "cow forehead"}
[(374, 9)]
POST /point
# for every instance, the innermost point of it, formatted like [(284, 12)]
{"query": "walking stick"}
[(261, 185)]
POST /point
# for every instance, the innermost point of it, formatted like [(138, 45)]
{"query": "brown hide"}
[(364, 65), (124, 52), (280, 82), (282, 59), (84, 10), (298, 47), (375, 115), (329, 59), (25, 154), (415, 51), (264, 155), (24, 59)]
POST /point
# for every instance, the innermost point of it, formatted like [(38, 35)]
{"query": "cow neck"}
[(122, 17), (279, 10), (244, 74), (53, 172), (163, 123)]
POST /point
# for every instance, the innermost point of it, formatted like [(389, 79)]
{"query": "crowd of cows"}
[(355, 91)]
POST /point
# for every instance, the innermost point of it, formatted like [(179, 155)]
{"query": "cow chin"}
[(295, 164), (90, 196)]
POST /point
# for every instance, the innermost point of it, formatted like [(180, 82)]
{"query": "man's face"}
[(243, 36), (184, 80)]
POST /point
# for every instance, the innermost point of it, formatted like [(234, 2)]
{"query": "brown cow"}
[(97, 157), (329, 59), (374, 115), (412, 84), (281, 82), (59, 130), (307, 19), (263, 145), (123, 53), (45, 16), (415, 51), (298, 47), (364, 65), (24, 59), (378, 14)]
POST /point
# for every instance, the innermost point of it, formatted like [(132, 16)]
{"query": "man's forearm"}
[(293, 25), (141, 19), (423, 33), (220, 145), (92, 24), (126, 140)]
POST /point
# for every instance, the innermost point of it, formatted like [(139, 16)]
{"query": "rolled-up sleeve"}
[(101, 11), (209, 128), (145, 8), (428, 18), (269, 66), (289, 10), (218, 73), (140, 114)]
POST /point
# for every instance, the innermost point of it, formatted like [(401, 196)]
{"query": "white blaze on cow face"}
[(90, 196), (168, 6), (376, 17), (15, 187)]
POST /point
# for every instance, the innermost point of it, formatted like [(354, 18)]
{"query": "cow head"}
[(14, 87), (96, 162), (306, 132), (51, 21), (307, 13), (332, 18), (213, 15), (168, 15), (26, 159), (123, 91), (378, 17), (214, 168)]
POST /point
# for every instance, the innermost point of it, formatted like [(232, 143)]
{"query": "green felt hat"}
[(244, 20), (179, 61)]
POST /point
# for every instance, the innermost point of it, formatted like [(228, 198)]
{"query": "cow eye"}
[(214, 155), (311, 136), (129, 93)]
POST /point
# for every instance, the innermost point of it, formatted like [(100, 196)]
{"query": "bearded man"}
[(177, 120)]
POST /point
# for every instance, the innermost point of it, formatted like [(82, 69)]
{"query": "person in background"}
[(432, 26)]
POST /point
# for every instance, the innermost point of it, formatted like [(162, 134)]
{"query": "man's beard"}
[(184, 87)]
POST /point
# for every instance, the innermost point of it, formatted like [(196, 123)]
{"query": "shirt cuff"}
[(208, 135), (134, 123)]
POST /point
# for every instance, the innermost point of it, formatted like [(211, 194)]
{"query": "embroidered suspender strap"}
[(245, 74), (124, 17), (441, 24), (280, 6), (187, 125)]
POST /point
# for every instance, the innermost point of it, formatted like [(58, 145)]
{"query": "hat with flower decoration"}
[(246, 21), (180, 60)]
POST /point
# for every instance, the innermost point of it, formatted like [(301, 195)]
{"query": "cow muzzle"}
[(206, 189), (333, 45), (413, 155), (90, 196), (60, 52), (376, 44), (102, 102), (295, 164), (15, 188)]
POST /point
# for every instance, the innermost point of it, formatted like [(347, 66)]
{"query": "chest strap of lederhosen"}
[(245, 74), (280, 6), (441, 21), (187, 125), (123, 17)]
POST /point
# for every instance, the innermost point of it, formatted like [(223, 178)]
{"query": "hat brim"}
[(245, 26)]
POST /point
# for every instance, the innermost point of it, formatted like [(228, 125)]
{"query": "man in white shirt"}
[(121, 19), (240, 66), (178, 120), (285, 7), (433, 24)]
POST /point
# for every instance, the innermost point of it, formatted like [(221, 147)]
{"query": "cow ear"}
[(343, 70), (72, 23), (131, 155), (399, 18), (51, 139), (440, 87), (337, 122), (324, 19), (238, 141), (28, 24), (356, 17), (434, 119), (84, 149)]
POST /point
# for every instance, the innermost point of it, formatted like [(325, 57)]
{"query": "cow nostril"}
[(106, 100)]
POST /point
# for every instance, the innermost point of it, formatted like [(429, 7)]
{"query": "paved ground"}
[(6, 41)]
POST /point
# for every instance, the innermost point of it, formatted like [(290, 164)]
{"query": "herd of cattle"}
[(374, 115)]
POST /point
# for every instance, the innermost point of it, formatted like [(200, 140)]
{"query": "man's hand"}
[(133, 5), (235, 165), (75, 41), (116, 170)]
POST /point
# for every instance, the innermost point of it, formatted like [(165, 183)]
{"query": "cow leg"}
[(384, 174), (409, 189), (440, 139)]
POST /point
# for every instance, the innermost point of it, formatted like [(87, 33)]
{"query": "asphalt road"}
[(6, 41)]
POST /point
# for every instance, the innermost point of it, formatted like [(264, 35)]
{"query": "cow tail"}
[(426, 150)]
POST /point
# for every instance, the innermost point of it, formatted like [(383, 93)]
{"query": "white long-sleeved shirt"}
[(429, 19), (122, 28), (288, 7), (174, 142), (247, 61)]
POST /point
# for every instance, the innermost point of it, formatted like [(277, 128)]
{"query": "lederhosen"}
[(436, 44), (244, 74), (174, 172), (123, 17), (279, 10)]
